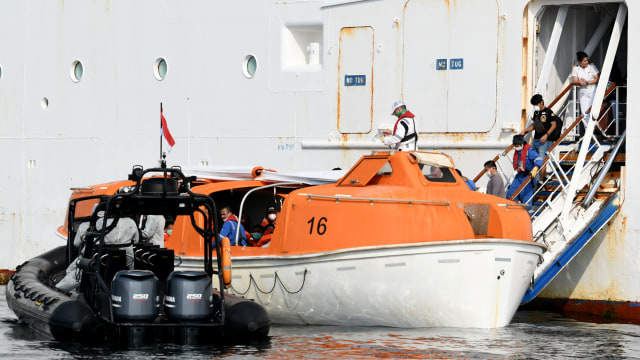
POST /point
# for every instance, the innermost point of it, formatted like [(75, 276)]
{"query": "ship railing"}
[(553, 192), (556, 184), (569, 139)]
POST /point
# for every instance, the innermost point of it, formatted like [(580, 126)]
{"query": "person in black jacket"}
[(547, 129)]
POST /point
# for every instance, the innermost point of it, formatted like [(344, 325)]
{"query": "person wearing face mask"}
[(168, 228), (404, 135), (231, 227), (547, 128), (526, 161), (255, 235), (495, 186), (271, 216), (266, 236)]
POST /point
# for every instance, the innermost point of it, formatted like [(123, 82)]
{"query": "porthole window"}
[(250, 66), (0, 72), (77, 71), (160, 70), (44, 103)]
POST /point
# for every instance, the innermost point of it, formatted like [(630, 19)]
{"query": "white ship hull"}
[(400, 286)]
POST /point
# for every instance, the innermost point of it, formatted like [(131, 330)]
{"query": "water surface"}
[(531, 335)]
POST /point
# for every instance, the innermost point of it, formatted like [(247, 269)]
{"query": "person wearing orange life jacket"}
[(266, 236), (404, 135), (271, 216), (526, 161), (255, 235)]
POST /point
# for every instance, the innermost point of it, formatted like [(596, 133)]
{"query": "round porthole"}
[(0, 72), (250, 66), (76, 71), (44, 103), (160, 70)]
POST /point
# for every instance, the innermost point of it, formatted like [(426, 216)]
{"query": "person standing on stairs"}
[(526, 161), (547, 128)]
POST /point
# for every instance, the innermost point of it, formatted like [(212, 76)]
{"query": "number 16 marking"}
[(321, 228)]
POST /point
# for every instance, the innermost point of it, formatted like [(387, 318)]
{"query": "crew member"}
[(125, 233), (152, 229), (587, 76), (404, 135)]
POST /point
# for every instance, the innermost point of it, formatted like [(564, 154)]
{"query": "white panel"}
[(451, 100), (426, 40), (356, 63)]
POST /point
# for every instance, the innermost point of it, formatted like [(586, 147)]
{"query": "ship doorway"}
[(556, 34), (355, 78)]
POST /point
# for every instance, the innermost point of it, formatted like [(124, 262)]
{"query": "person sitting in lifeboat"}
[(271, 216), (231, 227), (266, 236)]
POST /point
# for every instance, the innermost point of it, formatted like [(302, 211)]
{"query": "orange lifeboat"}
[(399, 240)]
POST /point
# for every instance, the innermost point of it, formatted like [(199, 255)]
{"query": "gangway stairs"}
[(581, 195), (591, 209)]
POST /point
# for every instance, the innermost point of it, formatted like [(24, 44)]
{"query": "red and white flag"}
[(165, 131)]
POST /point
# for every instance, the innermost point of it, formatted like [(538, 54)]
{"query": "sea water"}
[(531, 335)]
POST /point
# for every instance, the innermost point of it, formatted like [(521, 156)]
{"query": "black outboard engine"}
[(188, 299), (134, 299)]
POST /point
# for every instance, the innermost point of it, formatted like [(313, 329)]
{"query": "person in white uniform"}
[(587, 75), (152, 229), (125, 233)]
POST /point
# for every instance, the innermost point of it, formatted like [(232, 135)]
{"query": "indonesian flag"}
[(165, 131)]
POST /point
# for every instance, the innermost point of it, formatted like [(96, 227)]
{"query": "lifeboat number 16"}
[(321, 228)]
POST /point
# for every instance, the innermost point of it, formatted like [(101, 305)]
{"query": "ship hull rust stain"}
[(590, 310)]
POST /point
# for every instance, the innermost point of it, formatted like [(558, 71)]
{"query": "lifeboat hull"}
[(462, 283)]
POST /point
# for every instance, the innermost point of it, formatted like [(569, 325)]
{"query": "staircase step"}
[(571, 158)]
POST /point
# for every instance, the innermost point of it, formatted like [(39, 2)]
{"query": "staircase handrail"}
[(506, 151), (561, 95), (603, 172), (559, 140)]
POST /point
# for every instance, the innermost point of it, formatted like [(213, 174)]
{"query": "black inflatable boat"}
[(140, 300)]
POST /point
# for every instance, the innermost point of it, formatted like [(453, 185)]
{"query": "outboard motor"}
[(134, 299), (188, 298)]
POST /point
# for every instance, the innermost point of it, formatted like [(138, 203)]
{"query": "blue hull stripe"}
[(572, 250)]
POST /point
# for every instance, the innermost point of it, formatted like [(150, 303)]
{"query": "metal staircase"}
[(580, 196), (586, 165)]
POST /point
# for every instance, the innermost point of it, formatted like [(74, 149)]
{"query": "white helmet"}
[(396, 105)]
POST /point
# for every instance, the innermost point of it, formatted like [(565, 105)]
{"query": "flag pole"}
[(161, 131)]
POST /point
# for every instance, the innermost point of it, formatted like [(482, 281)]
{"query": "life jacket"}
[(521, 166), (407, 136)]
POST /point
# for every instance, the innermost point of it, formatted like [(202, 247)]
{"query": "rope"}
[(277, 280)]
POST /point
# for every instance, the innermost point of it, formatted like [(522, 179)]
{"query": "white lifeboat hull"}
[(461, 283)]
